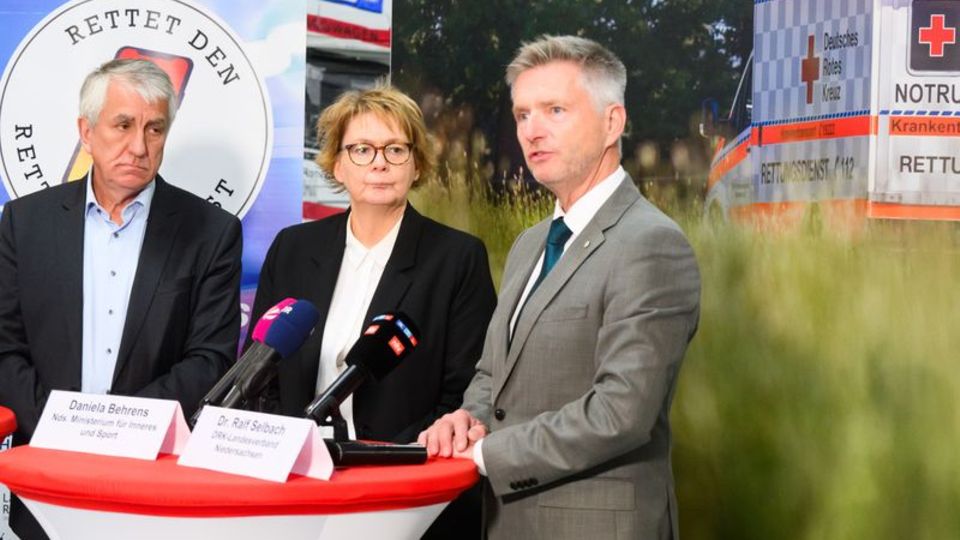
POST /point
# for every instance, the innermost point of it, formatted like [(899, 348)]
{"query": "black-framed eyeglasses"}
[(362, 154)]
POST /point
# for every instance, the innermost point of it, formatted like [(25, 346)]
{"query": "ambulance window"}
[(328, 76), (741, 114)]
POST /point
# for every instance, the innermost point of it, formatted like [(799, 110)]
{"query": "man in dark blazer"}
[(120, 282), (568, 413)]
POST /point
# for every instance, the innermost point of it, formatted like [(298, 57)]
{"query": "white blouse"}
[(360, 273)]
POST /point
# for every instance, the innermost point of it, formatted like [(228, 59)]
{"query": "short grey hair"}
[(605, 75), (141, 76)]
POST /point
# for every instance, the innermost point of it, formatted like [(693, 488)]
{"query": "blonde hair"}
[(606, 76), (388, 104)]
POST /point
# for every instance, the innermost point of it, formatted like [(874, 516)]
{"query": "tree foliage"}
[(451, 54)]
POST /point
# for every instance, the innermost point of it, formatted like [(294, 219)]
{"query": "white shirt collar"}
[(587, 206), (357, 252)]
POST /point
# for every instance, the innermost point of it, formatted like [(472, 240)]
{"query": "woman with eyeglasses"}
[(379, 256)]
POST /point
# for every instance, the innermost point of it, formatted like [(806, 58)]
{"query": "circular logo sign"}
[(220, 142)]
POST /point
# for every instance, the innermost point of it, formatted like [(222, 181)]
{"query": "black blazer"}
[(438, 276), (183, 318)]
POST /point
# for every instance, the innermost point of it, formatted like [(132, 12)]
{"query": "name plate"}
[(260, 445), (111, 425)]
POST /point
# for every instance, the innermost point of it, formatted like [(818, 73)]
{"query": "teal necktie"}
[(556, 238)]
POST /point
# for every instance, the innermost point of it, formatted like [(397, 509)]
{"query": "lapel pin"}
[(586, 244)]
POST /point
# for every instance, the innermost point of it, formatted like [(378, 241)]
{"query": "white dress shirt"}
[(360, 273), (576, 219)]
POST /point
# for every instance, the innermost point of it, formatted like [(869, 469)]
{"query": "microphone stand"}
[(335, 420), (347, 453)]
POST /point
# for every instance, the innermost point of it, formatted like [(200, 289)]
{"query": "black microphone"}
[(288, 332), (351, 453), (387, 340), (254, 354)]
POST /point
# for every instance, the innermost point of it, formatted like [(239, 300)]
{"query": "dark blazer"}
[(183, 318), (438, 276)]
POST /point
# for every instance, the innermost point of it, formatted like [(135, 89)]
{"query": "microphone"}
[(256, 350), (351, 453), (387, 340), (266, 321), (285, 335)]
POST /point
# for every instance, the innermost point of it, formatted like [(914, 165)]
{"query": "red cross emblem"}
[(937, 35), (810, 69)]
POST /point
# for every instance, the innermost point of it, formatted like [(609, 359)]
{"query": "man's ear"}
[(615, 121), (86, 131)]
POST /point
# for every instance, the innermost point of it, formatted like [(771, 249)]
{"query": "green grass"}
[(496, 218), (821, 395), (820, 398)]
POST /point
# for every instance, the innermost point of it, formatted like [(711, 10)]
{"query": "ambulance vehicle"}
[(845, 108)]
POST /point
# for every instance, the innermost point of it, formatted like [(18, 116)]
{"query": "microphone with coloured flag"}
[(280, 332), (384, 343)]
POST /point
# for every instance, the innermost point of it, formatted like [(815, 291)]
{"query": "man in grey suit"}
[(568, 413)]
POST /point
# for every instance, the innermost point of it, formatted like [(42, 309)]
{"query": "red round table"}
[(8, 422), (90, 496)]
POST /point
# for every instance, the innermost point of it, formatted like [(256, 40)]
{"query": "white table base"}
[(63, 523)]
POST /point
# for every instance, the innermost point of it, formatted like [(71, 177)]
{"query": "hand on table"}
[(453, 435)]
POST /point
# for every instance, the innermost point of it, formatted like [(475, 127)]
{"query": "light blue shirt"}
[(110, 256)]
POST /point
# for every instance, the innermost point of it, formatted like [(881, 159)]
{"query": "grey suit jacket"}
[(578, 404)]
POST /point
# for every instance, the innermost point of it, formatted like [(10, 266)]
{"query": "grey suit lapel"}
[(579, 251), (69, 226), (516, 278), (162, 226)]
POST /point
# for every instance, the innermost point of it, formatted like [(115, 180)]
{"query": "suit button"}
[(500, 414), (533, 482)]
